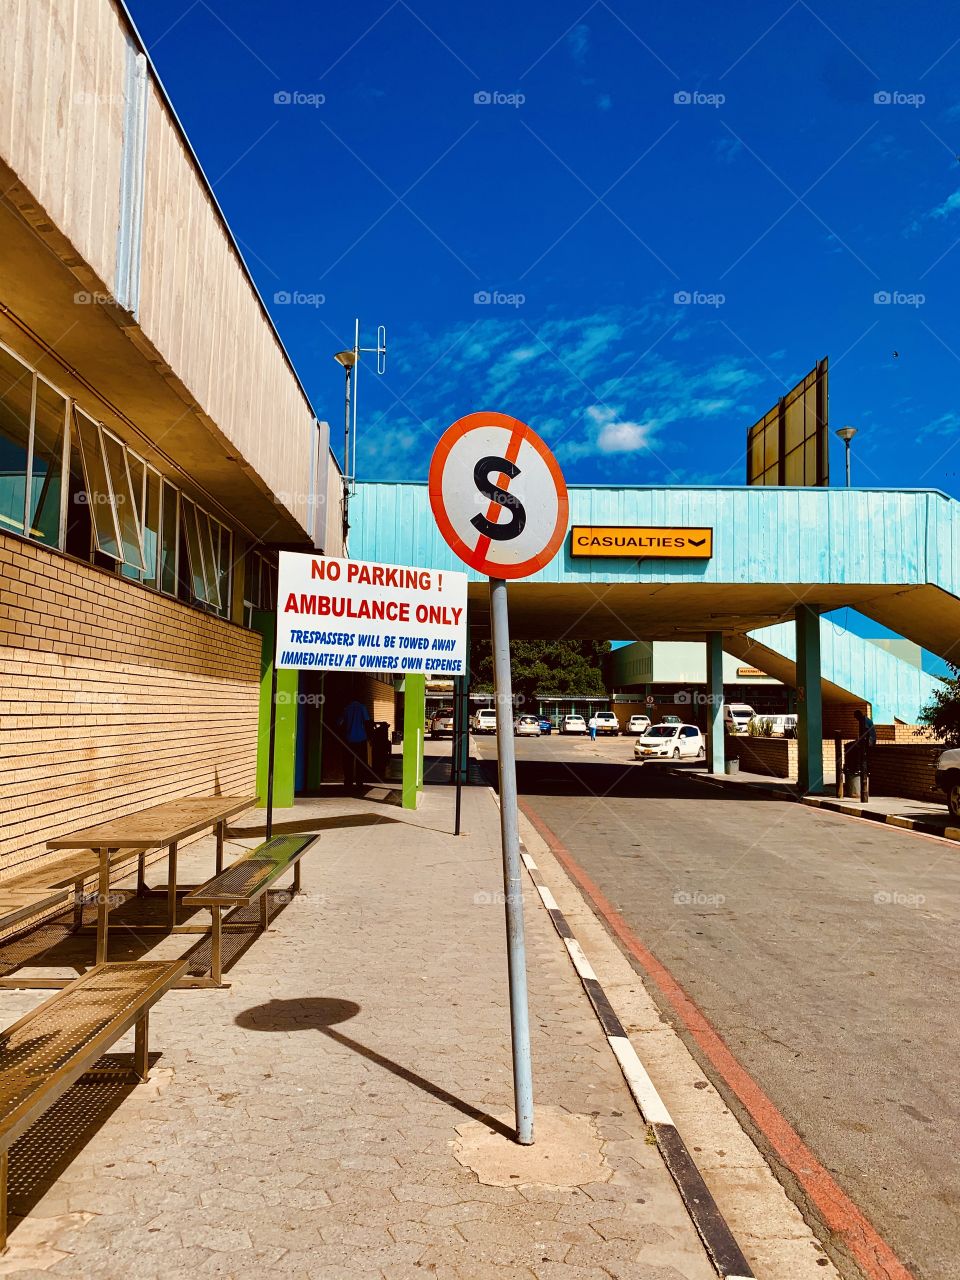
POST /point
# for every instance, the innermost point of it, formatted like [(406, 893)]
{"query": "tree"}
[(571, 668), (942, 713)]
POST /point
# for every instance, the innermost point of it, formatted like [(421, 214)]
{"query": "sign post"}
[(360, 618), (499, 499)]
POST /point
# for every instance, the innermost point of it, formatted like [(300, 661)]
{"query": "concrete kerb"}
[(750, 1209), (847, 809)]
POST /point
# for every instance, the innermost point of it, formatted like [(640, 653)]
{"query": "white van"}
[(485, 720), (737, 716)]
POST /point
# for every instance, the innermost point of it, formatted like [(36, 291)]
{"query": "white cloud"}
[(578, 42), (950, 205), (600, 388), (616, 435)]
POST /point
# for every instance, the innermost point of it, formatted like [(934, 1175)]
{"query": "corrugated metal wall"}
[(850, 536)]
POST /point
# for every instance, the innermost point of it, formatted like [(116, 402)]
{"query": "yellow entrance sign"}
[(641, 540)]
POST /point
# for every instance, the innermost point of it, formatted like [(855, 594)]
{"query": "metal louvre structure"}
[(790, 444)]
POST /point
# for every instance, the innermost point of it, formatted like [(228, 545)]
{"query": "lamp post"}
[(348, 359), (846, 434)]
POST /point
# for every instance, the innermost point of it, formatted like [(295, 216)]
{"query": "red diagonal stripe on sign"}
[(503, 482)]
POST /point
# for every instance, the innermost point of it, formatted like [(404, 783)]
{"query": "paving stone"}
[(291, 1140)]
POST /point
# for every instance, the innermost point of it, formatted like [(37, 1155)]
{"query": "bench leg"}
[(264, 909), (220, 826), (142, 875), (296, 876), (216, 949), (4, 1161), (172, 885), (78, 906), (103, 906), (141, 1048)]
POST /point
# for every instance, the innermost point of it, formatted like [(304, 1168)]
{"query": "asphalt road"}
[(824, 951)]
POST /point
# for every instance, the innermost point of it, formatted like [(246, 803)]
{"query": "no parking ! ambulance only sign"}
[(354, 615), (498, 495)]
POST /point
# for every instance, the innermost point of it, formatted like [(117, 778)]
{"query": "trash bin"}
[(733, 766), (380, 748)]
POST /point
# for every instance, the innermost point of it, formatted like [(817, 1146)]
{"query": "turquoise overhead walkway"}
[(851, 669), (780, 555)]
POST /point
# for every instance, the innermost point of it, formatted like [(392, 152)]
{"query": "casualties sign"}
[(658, 541), (352, 615)]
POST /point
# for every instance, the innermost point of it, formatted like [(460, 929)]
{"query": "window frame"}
[(216, 540)]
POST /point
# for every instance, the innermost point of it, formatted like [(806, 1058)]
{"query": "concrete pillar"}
[(414, 717), (809, 701), (716, 756), (285, 745)]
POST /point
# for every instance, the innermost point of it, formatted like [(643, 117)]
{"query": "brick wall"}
[(840, 719), (112, 697), (905, 733), (899, 769), (776, 757)]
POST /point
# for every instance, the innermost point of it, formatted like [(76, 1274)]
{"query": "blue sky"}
[(581, 165)]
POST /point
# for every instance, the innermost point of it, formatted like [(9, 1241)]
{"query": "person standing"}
[(592, 726), (866, 740), (354, 721)]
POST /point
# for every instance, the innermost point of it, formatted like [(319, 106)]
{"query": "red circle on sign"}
[(477, 556)]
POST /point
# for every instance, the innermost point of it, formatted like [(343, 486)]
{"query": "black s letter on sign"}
[(503, 530)]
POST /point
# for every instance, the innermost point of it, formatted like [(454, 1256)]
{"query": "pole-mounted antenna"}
[(350, 360)]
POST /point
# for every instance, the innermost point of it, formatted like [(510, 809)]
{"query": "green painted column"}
[(809, 701), (414, 717), (285, 745), (716, 748)]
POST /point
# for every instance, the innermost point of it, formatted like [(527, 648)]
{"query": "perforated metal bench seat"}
[(44, 1053), (245, 881)]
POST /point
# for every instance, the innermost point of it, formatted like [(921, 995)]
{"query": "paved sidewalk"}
[(931, 817), (307, 1120)]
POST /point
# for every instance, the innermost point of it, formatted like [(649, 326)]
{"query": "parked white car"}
[(948, 779), (671, 742), (573, 724), (442, 723), (638, 724), (607, 722), (776, 726), (527, 726), (484, 720), (737, 716)]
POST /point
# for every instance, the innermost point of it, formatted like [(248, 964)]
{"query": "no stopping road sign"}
[(498, 495)]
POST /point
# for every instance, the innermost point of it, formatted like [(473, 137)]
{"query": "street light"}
[(348, 359), (846, 434)]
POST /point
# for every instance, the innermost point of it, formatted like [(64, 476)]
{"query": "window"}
[(46, 464), (126, 504), (204, 570), (225, 568), (137, 469), (16, 400), (259, 585), (98, 491), (151, 526), (69, 482), (169, 540)]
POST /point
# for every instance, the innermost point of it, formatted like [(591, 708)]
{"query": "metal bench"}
[(44, 1053), (246, 881)]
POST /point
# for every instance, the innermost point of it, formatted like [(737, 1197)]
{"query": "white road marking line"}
[(641, 1086), (580, 961)]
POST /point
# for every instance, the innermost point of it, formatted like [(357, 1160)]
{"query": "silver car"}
[(948, 779)]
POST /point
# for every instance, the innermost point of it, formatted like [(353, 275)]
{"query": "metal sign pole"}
[(510, 838), (273, 729), (457, 742)]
